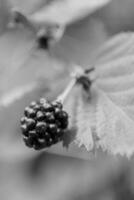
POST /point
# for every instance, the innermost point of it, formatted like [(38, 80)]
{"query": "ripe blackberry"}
[(43, 124)]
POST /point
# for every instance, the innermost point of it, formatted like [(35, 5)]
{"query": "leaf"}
[(80, 41), (28, 6), (84, 123), (16, 94), (106, 119), (53, 17), (20, 69), (81, 120), (5, 14), (117, 47), (115, 94), (70, 105), (114, 127), (67, 11)]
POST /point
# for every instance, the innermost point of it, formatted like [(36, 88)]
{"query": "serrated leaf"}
[(114, 109), (114, 127), (81, 120), (107, 119), (84, 124)]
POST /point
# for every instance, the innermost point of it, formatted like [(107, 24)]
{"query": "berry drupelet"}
[(43, 124)]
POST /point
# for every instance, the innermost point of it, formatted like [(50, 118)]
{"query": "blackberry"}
[(43, 124)]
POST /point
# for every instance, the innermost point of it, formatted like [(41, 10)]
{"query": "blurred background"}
[(27, 73)]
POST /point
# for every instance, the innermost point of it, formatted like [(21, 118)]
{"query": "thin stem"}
[(66, 92), (78, 76)]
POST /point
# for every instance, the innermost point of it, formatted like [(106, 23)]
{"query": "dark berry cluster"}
[(43, 124)]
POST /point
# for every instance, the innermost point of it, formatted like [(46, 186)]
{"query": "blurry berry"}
[(24, 129), (37, 107), (32, 134), (57, 104), (42, 101), (30, 124), (50, 117), (23, 120), (31, 113), (47, 107), (26, 111), (52, 128), (40, 116), (29, 142), (33, 104), (63, 115), (64, 124), (41, 127), (57, 111)]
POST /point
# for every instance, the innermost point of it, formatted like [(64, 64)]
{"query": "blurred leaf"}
[(53, 17), (81, 41), (118, 16), (16, 94), (5, 14), (28, 6), (19, 61), (119, 46), (67, 11)]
